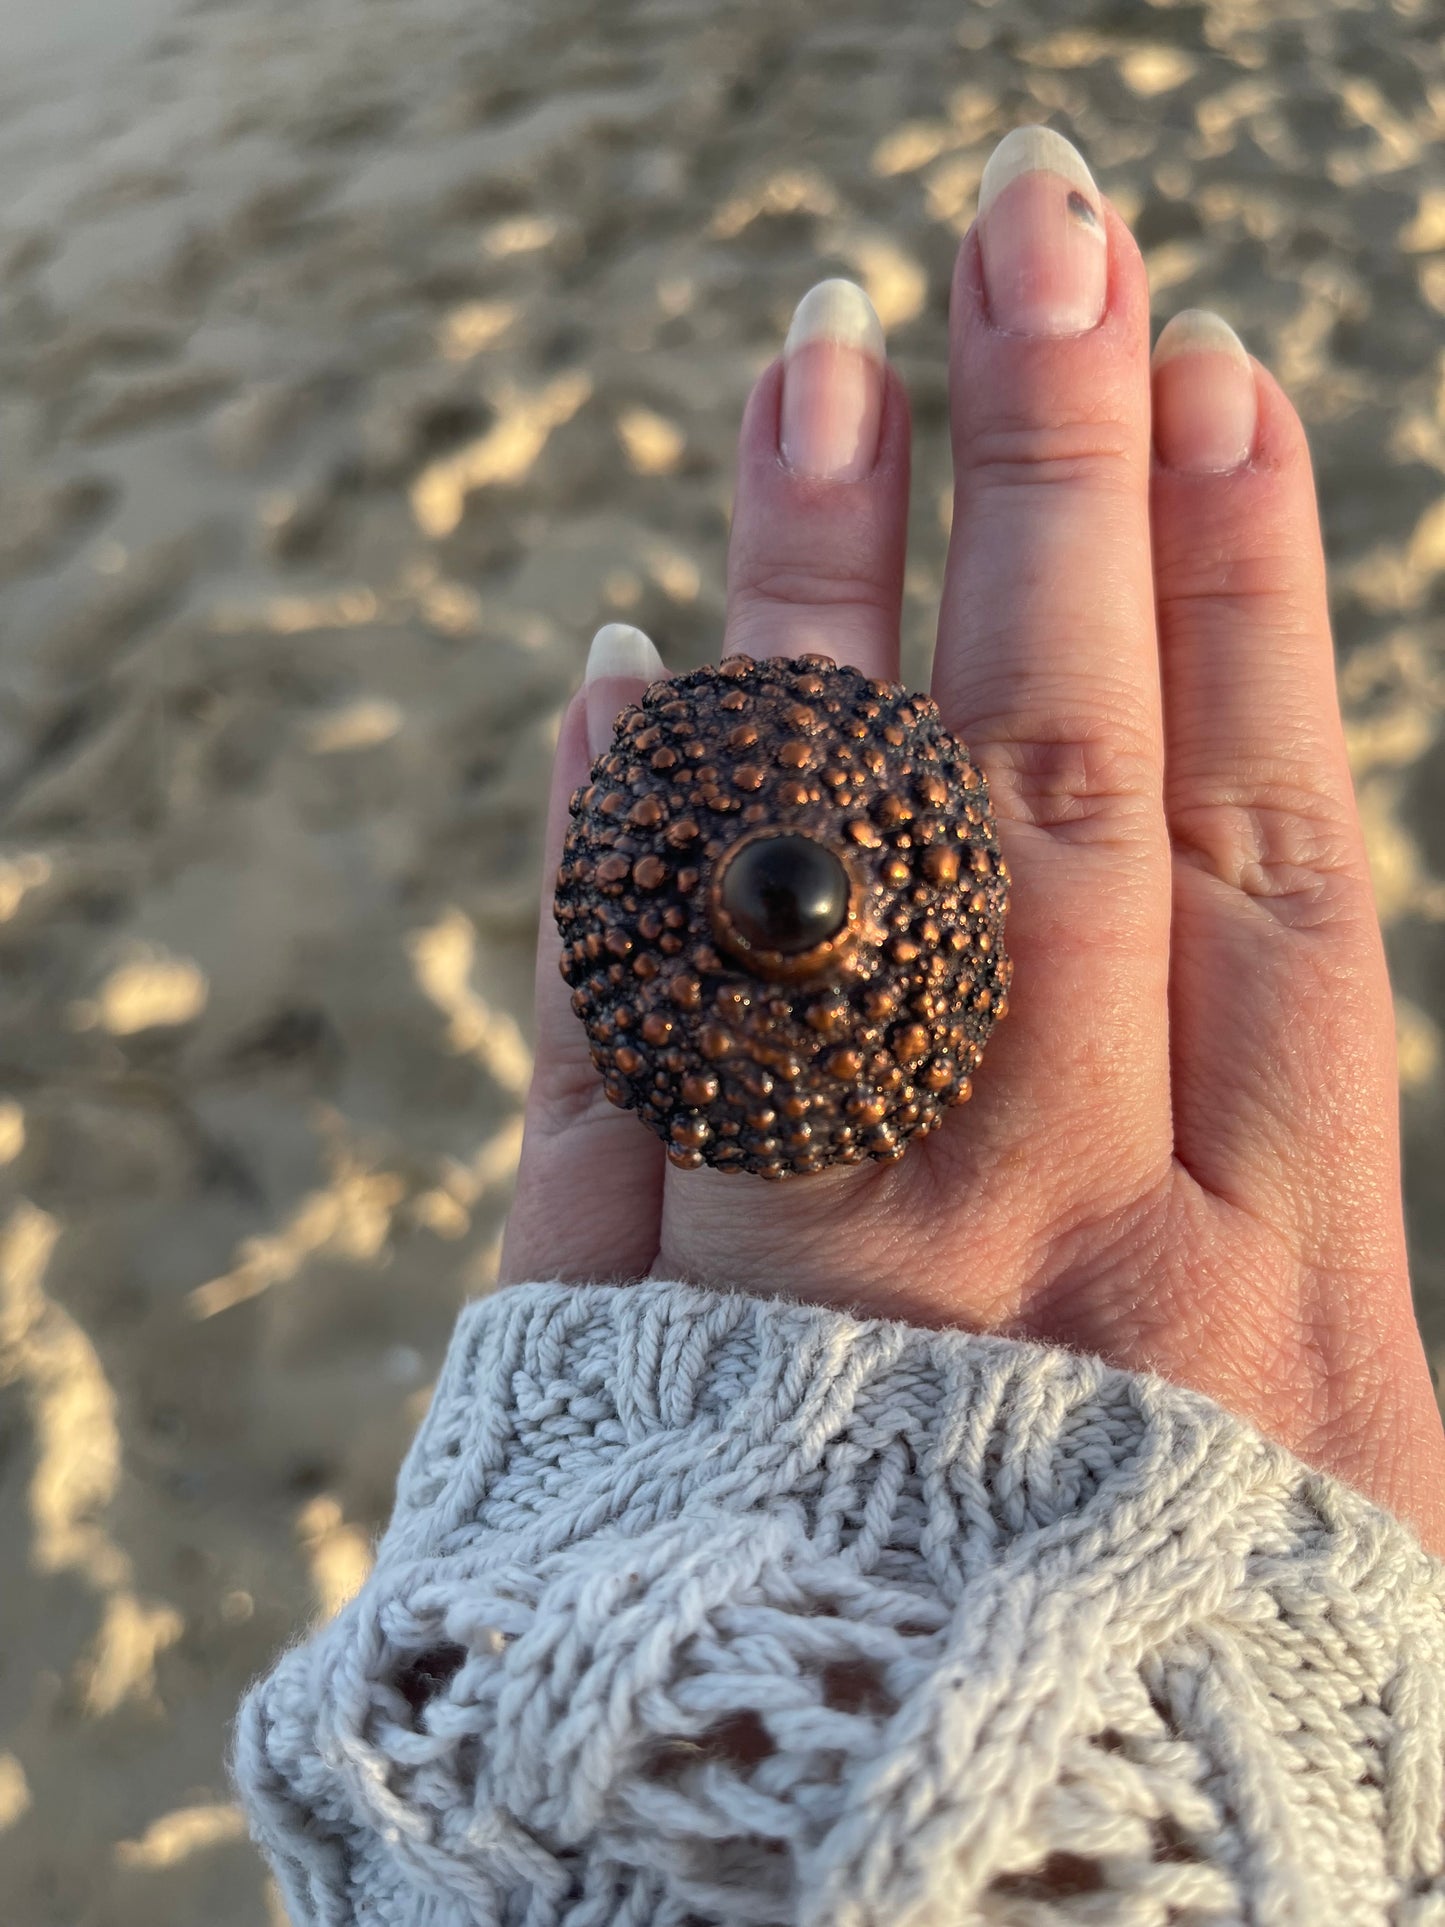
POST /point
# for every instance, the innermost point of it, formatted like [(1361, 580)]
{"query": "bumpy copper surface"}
[(765, 1063)]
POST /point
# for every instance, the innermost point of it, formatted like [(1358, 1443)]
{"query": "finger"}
[(1279, 972), (1047, 659), (1284, 1080), (815, 561), (589, 1183), (815, 565)]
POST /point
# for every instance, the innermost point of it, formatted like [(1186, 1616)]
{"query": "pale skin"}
[(1181, 1153)]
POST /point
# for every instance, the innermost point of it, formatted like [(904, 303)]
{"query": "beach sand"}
[(356, 361)]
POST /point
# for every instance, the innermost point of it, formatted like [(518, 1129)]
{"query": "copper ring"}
[(781, 903)]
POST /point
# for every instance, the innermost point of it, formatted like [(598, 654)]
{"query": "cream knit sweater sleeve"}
[(701, 1610)]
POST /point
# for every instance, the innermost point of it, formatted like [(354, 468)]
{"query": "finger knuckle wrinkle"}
[(568, 1096), (1286, 847), (1073, 782), (799, 586), (1213, 578), (1046, 455)]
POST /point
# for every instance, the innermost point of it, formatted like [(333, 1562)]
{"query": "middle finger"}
[(1047, 662), (815, 565), (815, 561)]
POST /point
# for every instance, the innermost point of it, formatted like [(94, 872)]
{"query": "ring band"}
[(781, 903)]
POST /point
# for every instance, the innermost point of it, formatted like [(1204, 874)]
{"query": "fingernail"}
[(832, 384), (1042, 237), (1204, 399), (620, 663)]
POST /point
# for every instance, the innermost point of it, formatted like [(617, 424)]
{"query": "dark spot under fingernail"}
[(1081, 209)]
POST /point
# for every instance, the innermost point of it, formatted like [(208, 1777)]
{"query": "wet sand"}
[(355, 362)]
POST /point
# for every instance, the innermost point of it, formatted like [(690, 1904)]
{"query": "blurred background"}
[(357, 358)]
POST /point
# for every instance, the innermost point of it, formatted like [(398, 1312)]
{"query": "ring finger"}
[(815, 565), (815, 561)]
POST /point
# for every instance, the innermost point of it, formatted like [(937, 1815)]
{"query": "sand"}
[(356, 360)]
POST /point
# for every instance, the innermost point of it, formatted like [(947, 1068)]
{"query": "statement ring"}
[(781, 903)]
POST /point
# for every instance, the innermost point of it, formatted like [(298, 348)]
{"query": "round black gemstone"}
[(785, 893)]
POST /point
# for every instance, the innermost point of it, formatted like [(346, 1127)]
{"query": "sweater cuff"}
[(699, 1607)]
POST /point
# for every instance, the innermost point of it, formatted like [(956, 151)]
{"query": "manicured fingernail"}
[(1204, 399), (832, 384), (620, 663), (1042, 237)]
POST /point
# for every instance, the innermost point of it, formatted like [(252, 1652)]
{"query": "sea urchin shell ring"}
[(781, 903)]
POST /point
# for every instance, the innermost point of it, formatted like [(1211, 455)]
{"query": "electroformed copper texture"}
[(782, 1061)]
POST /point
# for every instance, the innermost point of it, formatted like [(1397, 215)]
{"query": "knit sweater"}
[(704, 1610)]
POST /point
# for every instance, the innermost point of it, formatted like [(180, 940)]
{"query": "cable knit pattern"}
[(701, 1610)]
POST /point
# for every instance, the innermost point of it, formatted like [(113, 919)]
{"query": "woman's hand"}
[(1181, 1152)]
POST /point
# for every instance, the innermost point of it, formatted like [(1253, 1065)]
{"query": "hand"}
[(1182, 1148)]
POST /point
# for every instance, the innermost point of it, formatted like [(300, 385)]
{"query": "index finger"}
[(589, 1183)]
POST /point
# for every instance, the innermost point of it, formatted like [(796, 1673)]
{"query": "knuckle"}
[(788, 608), (1204, 583), (1082, 782), (801, 586), (1282, 844), (1100, 453), (567, 1096)]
